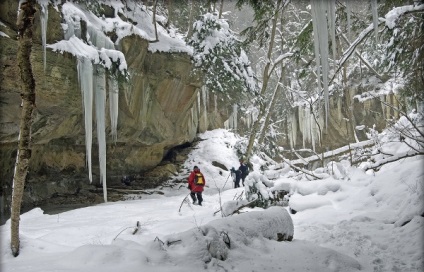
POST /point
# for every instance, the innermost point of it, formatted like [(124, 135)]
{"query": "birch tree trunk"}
[(24, 24), (265, 79)]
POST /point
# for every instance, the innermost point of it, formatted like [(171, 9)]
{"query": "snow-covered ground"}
[(358, 222)]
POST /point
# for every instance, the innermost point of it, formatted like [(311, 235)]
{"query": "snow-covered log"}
[(215, 239)]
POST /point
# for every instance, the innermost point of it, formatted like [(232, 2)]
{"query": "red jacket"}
[(196, 188)]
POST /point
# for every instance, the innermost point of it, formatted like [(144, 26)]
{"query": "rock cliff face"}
[(158, 111)]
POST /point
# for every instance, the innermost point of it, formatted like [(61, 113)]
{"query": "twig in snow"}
[(182, 202)]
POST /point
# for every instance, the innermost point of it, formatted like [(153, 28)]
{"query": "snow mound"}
[(215, 239)]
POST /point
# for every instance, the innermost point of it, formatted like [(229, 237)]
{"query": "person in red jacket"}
[(196, 182)]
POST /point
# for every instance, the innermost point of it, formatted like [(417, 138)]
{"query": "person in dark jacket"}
[(236, 174), (196, 183), (244, 171)]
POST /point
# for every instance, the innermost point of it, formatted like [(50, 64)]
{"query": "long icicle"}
[(85, 78), (113, 106), (44, 16), (100, 102), (332, 24), (314, 12)]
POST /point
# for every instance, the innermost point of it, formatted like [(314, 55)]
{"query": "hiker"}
[(244, 170), (196, 182), (126, 180), (236, 174)]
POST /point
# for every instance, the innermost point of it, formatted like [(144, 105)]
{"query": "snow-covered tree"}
[(219, 56)]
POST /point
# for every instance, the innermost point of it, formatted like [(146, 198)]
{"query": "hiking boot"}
[(200, 204)]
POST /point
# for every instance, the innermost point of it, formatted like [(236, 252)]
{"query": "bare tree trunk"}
[(154, 20), (277, 92), (24, 23), (265, 79), (190, 20), (221, 7), (169, 7)]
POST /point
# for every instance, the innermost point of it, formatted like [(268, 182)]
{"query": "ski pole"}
[(226, 181)]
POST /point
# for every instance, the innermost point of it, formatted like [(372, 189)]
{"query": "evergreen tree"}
[(219, 56)]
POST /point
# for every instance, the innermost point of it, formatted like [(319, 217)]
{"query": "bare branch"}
[(393, 159)]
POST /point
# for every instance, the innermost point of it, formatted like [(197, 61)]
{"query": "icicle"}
[(301, 124), (198, 104), (113, 106), (215, 99), (44, 16), (100, 102), (375, 17), (319, 11), (234, 116), (332, 24), (315, 14), (205, 100), (348, 13), (85, 78), (293, 134)]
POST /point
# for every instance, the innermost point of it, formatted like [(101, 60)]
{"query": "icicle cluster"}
[(231, 123), (93, 58), (309, 127)]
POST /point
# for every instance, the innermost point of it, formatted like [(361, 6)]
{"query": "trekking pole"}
[(226, 181)]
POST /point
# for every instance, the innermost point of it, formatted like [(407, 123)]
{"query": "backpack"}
[(244, 170), (198, 179)]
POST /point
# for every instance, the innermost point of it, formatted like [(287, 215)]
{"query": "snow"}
[(351, 221), (2, 34)]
